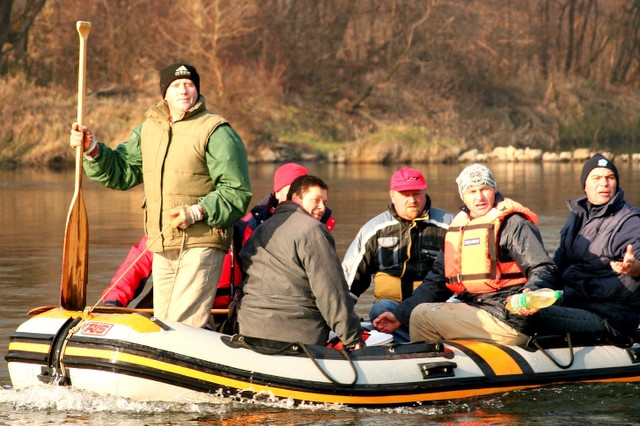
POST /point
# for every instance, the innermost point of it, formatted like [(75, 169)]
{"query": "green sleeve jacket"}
[(197, 158)]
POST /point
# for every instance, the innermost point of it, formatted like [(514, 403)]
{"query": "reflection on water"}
[(34, 206)]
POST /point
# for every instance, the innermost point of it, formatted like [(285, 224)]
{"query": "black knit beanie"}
[(176, 71), (598, 160)]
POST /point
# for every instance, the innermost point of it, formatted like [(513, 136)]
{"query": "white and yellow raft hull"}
[(137, 357)]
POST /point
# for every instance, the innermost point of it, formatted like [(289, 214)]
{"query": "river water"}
[(33, 210)]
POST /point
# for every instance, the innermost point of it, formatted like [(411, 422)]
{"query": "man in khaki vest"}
[(196, 185)]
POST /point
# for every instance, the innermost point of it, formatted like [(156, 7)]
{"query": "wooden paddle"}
[(75, 253)]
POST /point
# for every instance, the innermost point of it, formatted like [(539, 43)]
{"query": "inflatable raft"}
[(136, 356)]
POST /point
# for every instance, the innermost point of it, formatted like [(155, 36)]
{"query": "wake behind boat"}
[(136, 356)]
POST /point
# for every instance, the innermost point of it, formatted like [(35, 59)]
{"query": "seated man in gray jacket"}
[(294, 290)]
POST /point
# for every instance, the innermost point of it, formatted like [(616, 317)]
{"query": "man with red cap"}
[(129, 280), (396, 249), (282, 179)]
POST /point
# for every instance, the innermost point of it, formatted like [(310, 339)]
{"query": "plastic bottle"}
[(537, 299)]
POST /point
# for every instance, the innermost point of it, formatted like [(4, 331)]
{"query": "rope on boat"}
[(146, 249), (346, 356), (548, 355), (247, 343), (175, 275)]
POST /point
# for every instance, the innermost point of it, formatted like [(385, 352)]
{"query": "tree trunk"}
[(568, 63), (5, 25), (14, 32)]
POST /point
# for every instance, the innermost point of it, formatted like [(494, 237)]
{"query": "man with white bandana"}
[(493, 249)]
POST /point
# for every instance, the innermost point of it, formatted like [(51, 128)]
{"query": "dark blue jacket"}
[(593, 237)]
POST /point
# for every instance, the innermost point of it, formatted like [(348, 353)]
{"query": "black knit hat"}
[(598, 160), (176, 71)]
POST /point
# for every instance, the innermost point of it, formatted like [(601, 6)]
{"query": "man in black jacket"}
[(396, 249), (596, 260)]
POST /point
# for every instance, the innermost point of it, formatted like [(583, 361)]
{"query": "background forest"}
[(351, 80)]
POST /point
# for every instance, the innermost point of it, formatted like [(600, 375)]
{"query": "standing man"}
[(294, 290), (493, 249), (596, 259), (396, 249), (196, 184)]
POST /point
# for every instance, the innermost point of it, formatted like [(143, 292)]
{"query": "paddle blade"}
[(75, 256)]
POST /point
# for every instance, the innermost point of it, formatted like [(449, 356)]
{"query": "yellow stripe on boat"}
[(137, 322), (242, 386), (40, 348), (500, 361)]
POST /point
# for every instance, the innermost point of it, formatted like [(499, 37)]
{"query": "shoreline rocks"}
[(283, 153), (512, 154)]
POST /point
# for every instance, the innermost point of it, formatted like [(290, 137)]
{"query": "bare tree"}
[(396, 60), (543, 33), (568, 61), (203, 32), (15, 24), (628, 46)]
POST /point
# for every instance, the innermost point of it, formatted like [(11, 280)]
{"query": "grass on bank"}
[(38, 120), (553, 115)]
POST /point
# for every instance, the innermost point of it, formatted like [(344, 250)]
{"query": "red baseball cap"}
[(408, 179), (286, 174)]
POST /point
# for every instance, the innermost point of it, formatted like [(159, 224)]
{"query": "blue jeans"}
[(387, 305)]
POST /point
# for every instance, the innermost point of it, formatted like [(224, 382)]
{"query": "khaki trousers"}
[(184, 286), (455, 320)]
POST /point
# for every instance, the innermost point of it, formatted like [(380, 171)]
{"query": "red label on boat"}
[(96, 328)]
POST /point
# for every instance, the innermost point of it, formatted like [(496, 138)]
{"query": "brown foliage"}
[(337, 43), (472, 71)]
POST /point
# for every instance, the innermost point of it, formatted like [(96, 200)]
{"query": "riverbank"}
[(280, 153), (559, 121)]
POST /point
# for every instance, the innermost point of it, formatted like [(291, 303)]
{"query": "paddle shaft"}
[(75, 254), (83, 28)]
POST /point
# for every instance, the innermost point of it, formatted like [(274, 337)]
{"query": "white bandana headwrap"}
[(475, 175)]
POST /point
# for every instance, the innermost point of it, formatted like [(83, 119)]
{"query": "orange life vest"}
[(471, 251)]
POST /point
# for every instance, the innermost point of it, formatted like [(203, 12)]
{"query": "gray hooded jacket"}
[(295, 290)]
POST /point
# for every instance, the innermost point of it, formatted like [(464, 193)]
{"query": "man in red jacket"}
[(130, 278)]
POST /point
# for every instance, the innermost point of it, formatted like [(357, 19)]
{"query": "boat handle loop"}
[(250, 344), (570, 347), (346, 356)]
